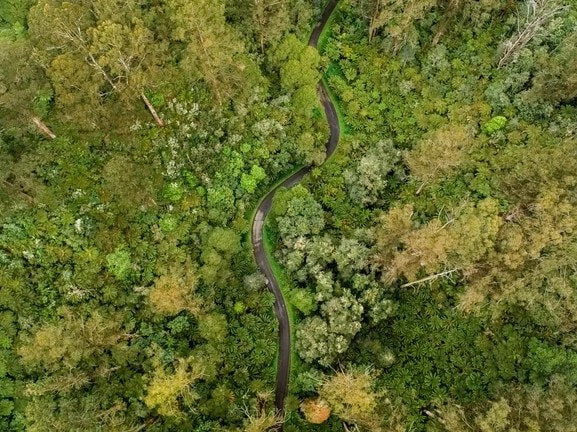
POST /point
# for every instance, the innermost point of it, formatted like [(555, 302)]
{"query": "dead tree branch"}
[(538, 14)]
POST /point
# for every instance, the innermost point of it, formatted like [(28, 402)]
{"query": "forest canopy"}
[(428, 265)]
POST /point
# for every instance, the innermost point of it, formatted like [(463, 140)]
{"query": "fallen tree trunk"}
[(43, 128), (430, 278), (157, 118)]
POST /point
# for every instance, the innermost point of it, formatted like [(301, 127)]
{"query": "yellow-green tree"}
[(270, 20), (460, 242), (75, 337), (97, 54), (170, 389), (520, 409), (353, 399), (175, 292), (24, 89), (441, 153), (397, 17), (211, 45)]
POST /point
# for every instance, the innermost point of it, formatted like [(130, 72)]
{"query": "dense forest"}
[(428, 266)]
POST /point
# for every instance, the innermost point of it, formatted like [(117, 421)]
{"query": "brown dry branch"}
[(42, 127), (157, 118)]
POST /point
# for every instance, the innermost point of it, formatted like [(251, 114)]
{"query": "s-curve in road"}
[(283, 368)]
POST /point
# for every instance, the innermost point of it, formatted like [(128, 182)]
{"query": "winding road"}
[(283, 369)]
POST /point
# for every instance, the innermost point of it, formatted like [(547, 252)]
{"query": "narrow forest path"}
[(283, 369)]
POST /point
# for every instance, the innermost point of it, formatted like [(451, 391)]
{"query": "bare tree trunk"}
[(42, 127), (157, 118), (373, 23), (431, 278)]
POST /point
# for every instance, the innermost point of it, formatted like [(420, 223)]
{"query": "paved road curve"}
[(258, 222)]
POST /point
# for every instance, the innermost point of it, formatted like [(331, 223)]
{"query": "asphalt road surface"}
[(283, 369)]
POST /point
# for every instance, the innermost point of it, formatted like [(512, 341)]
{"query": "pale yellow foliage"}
[(454, 419), (398, 17), (394, 225), (74, 337), (519, 270), (474, 296), (85, 413), (388, 235), (496, 418), (440, 154), (262, 423), (519, 410), (167, 392), (57, 384), (173, 293), (351, 396), (425, 248), (460, 242)]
